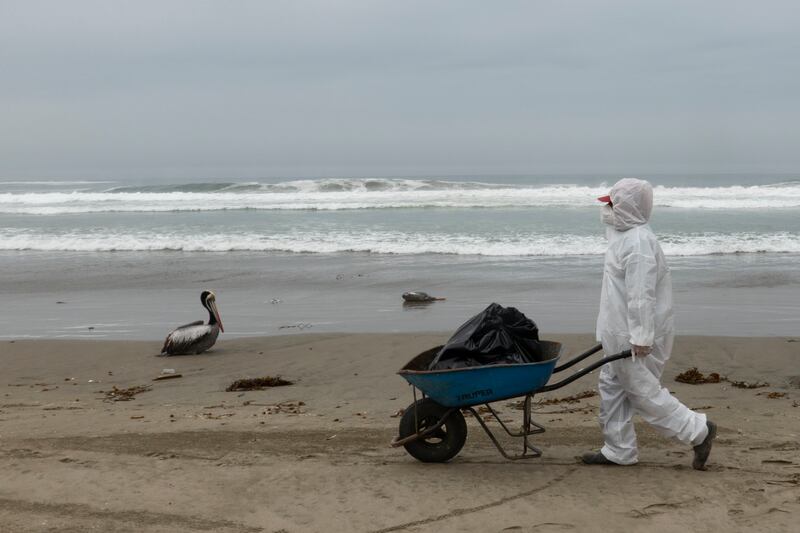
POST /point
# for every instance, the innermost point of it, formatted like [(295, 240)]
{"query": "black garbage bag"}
[(497, 335)]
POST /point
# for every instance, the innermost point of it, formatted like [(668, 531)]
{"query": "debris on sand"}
[(575, 398), (793, 480), (289, 408), (776, 395), (123, 395), (162, 377), (212, 416), (748, 384), (694, 377), (300, 325), (258, 383), (398, 413)]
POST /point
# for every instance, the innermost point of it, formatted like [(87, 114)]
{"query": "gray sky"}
[(238, 89)]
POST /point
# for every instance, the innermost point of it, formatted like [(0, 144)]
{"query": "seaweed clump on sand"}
[(695, 377), (575, 398), (258, 383)]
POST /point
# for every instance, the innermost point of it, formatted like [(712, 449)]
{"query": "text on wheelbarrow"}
[(475, 394)]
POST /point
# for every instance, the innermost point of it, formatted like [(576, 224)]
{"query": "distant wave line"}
[(55, 203), (381, 185), (386, 242)]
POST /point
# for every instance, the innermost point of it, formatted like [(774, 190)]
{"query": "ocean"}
[(479, 239), (536, 216)]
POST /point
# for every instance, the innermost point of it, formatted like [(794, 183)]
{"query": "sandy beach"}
[(277, 177), (188, 456)]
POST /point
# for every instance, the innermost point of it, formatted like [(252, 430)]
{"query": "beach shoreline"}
[(137, 295), (186, 455)]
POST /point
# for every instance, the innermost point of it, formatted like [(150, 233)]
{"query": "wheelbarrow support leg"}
[(525, 431)]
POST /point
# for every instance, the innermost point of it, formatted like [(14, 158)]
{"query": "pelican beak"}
[(212, 303)]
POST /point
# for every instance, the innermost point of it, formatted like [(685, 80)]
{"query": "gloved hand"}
[(641, 351)]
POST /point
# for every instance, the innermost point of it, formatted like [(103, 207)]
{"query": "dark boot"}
[(703, 450), (596, 458)]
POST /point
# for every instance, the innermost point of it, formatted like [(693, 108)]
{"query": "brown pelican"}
[(196, 337)]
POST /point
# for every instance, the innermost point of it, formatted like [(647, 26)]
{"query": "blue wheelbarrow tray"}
[(464, 387)]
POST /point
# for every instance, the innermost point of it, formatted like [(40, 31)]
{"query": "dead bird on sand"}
[(419, 297), (196, 337)]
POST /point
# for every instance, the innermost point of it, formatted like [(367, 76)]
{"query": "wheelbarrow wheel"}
[(441, 445)]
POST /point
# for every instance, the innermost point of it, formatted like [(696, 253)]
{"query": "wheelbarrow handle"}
[(580, 373), (591, 351)]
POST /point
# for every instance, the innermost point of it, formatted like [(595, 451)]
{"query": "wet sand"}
[(314, 456), (144, 295)]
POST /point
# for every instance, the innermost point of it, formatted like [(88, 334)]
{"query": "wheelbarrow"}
[(433, 429)]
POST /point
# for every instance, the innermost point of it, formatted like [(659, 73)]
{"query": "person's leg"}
[(616, 415), (654, 403), (702, 449)]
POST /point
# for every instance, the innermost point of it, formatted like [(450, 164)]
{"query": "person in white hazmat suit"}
[(636, 314)]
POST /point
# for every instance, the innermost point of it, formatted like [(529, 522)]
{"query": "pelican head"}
[(209, 301)]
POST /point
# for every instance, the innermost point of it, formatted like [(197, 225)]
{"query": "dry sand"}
[(188, 456)]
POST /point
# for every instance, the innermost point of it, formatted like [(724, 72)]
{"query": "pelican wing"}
[(169, 337), (189, 338)]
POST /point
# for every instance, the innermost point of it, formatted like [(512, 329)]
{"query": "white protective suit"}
[(636, 308)]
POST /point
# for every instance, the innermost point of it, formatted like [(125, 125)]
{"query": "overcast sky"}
[(238, 89)]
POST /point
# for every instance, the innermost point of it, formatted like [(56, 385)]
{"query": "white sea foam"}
[(378, 194), (384, 242)]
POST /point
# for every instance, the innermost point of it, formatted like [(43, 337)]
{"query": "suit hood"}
[(633, 203)]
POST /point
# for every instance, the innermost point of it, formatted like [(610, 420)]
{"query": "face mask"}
[(607, 215)]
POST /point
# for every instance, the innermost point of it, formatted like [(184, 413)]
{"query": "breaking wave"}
[(352, 194), (388, 242)]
